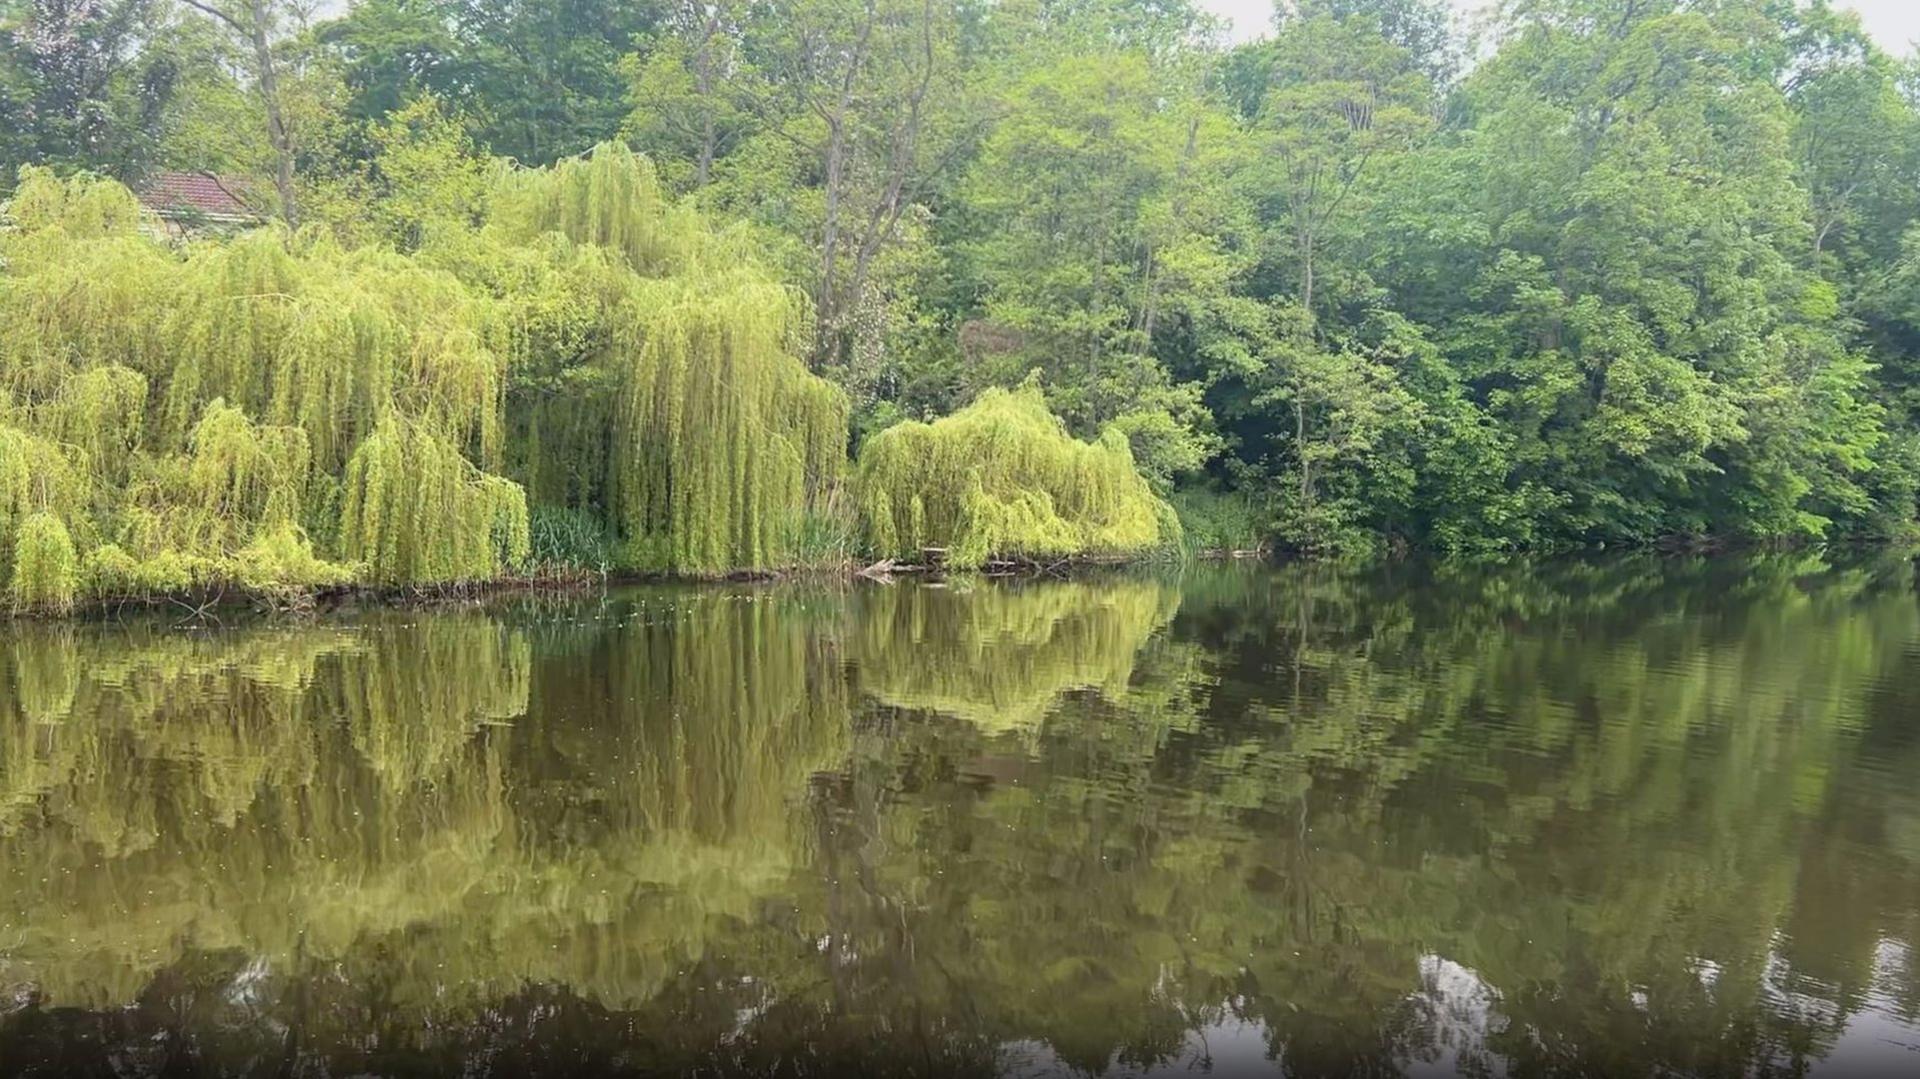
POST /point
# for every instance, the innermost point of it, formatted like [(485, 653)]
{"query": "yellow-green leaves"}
[(278, 412), (415, 510), (187, 417), (1003, 477), (45, 571), (715, 437)]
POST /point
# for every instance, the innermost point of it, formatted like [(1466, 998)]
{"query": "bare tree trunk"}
[(1829, 218), (1150, 313), (826, 317), (704, 74), (1099, 283), (827, 313), (1306, 269), (277, 132), (254, 31), (1300, 451), (902, 156)]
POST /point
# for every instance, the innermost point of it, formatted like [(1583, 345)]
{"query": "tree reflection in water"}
[(1625, 815)]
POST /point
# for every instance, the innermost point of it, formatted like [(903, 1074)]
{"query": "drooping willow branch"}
[(278, 411)]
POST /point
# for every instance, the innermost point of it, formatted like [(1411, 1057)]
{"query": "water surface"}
[(1625, 817)]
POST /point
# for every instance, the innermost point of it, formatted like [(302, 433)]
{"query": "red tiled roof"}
[(195, 193)]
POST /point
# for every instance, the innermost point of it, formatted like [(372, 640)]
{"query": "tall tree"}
[(539, 80), (1423, 29), (850, 84), (687, 106), (1856, 140), (1101, 208), (258, 25), (1344, 418), (1612, 258), (1339, 97), (85, 84)]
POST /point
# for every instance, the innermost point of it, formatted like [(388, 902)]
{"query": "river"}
[(1624, 816)]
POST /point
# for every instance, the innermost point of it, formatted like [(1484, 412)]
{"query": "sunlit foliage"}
[(275, 411), (717, 437), (414, 509), (44, 574), (1003, 477), (189, 416)]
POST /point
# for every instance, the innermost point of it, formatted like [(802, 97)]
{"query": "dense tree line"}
[(1613, 271)]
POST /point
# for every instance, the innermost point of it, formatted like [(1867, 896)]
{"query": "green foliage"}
[(1645, 272), (1221, 521), (829, 538), (102, 413), (282, 560), (278, 411), (1347, 421), (610, 198), (561, 536), (87, 86), (84, 206), (724, 436), (333, 341), (108, 570), (199, 411), (547, 72), (37, 477), (1105, 219), (45, 571), (427, 171), (718, 440), (1002, 477), (415, 510)]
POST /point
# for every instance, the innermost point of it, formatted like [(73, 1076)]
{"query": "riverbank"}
[(232, 596)]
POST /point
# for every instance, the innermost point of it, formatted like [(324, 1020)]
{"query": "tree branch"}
[(209, 9)]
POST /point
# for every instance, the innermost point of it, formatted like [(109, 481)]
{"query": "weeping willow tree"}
[(613, 199), (334, 342), (416, 510), (714, 438), (38, 475), (278, 412), (723, 437), (1002, 477), (245, 412), (45, 576)]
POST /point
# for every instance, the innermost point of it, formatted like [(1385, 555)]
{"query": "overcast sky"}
[(1894, 23)]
